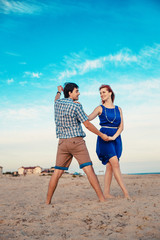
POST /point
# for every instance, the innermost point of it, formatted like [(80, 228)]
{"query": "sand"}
[(75, 212)]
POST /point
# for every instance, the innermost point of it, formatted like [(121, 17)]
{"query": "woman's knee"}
[(114, 162), (109, 167)]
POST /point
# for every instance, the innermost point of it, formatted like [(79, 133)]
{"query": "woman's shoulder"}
[(118, 108), (100, 109)]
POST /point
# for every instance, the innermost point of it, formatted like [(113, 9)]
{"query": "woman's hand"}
[(111, 138)]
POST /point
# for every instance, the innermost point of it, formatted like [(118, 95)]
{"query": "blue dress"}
[(106, 150)]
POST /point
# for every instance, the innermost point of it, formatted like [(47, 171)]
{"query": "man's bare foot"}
[(48, 203), (102, 200), (109, 196)]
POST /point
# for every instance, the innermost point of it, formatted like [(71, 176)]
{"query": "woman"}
[(111, 121)]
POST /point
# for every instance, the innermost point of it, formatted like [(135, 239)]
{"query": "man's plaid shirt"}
[(68, 118)]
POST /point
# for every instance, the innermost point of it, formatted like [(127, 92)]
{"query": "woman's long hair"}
[(109, 89)]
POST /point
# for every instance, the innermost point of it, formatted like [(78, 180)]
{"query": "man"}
[(68, 118)]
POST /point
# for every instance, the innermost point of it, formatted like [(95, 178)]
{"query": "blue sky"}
[(47, 43)]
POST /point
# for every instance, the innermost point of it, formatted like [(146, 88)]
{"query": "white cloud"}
[(36, 75), (22, 83), (33, 75), (149, 57), (128, 92), (121, 57), (90, 65), (81, 68), (77, 65), (30, 113), (13, 54), (9, 81), (145, 89), (20, 7), (67, 74)]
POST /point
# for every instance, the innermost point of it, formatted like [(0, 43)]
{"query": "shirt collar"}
[(68, 99)]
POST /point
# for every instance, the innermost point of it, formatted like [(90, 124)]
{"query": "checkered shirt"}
[(68, 118)]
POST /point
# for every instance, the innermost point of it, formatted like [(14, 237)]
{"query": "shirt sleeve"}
[(81, 116)]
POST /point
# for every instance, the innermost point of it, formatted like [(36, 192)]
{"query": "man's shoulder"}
[(60, 101), (66, 103)]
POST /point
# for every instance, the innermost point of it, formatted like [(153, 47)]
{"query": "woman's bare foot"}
[(109, 196), (129, 198)]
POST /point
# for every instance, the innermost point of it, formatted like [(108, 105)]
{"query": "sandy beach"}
[(75, 212)]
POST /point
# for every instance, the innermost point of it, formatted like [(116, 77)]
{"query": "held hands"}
[(104, 137), (107, 138), (111, 138)]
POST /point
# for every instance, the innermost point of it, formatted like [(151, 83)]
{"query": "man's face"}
[(74, 94)]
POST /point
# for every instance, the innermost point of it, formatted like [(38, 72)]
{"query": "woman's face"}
[(105, 95)]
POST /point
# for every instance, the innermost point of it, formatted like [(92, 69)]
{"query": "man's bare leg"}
[(94, 182), (53, 184)]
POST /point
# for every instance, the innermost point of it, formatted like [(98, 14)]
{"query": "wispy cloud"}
[(9, 81), (130, 90), (149, 56), (77, 65), (32, 74), (55, 7), (27, 113), (23, 83), (67, 74), (13, 54), (20, 7), (125, 56)]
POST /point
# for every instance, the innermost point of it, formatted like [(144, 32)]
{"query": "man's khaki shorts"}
[(69, 148)]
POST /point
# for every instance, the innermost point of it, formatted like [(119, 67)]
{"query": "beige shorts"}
[(69, 148)]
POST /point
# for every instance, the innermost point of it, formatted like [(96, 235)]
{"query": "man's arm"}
[(93, 129), (60, 89)]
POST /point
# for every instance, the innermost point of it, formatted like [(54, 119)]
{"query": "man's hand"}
[(104, 137), (60, 88), (58, 95)]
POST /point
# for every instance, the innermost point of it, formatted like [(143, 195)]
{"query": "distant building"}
[(1, 170), (47, 171), (29, 170)]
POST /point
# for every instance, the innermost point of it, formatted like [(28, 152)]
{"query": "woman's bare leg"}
[(117, 173), (107, 181)]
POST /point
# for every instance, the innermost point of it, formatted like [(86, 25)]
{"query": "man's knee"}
[(88, 169), (58, 173)]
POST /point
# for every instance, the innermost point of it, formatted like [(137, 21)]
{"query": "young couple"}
[(68, 118)]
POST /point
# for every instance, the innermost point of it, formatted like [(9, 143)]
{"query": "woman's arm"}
[(120, 128), (97, 111)]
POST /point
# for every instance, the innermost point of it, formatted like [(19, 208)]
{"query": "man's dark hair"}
[(68, 87)]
